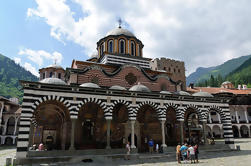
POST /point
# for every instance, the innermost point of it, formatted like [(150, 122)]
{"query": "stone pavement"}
[(224, 158), (6, 152)]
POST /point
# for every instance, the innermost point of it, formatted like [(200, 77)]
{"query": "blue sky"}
[(201, 33)]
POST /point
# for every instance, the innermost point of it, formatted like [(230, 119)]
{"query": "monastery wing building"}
[(116, 96)]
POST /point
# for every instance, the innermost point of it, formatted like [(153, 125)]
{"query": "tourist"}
[(151, 144), (196, 152), (178, 153), (128, 150), (157, 148), (183, 151), (191, 154), (41, 146)]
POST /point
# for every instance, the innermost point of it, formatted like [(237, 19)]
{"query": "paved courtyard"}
[(224, 158)]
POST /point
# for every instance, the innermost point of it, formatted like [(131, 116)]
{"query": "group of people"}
[(186, 152)]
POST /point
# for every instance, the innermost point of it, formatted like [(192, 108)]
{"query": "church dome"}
[(55, 66), (120, 31), (183, 93), (203, 94), (53, 81), (165, 92), (140, 88), (117, 87), (89, 85)]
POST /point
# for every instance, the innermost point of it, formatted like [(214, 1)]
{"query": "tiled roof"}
[(214, 90)]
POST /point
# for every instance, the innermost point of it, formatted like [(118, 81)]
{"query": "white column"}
[(15, 130), (163, 133), (219, 117), (1, 113), (73, 123), (209, 116), (45, 74), (55, 74), (237, 117), (246, 116), (132, 134), (5, 127), (108, 131), (239, 130)]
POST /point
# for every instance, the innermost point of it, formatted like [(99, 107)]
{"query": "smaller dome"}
[(89, 85), (183, 93), (120, 31), (117, 87), (53, 81), (203, 94), (140, 88), (55, 66), (226, 82), (165, 92)]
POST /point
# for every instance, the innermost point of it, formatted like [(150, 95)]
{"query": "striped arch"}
[(155, 106), (197, 110), (105, 107), (174, 106), (124, 102), (216, 109)]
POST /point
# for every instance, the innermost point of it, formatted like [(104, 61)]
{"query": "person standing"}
[(151, 144), (157, 148), (178, 153), (183, 151), (191, 154), (196, 152), (128, 150)]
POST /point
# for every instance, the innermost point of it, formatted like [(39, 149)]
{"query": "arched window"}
[(50, 74), (110, 46), (132, 49), (121, 46), (43, 75), (102, 49), (59, 75)]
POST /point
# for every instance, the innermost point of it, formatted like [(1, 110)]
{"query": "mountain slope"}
[(193, 77), (10, 74), (223, 70), (241, 75)]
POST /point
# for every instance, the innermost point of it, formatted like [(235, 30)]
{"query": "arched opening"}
[(90, 131), (50, 74), (216, 133), (10, 126), (244, 131), (172, 127), (133, 48), (121, 46), (118, 126), (193, 128), (102, 49), (149, 127), (235, 131), (53, 125), (110, 46), (8, 141)]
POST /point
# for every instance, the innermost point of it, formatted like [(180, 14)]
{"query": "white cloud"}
[(201, 33), (31, 68), (38, 56), (17, 60)]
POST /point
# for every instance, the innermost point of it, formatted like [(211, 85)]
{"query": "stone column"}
[(163, 133), (73, 124), (246, 116), (204, 132), (15, 130), (219, 117), (239, 130), (209, 116), (5, 127), (237, 117), (181, 132), (132, 134), (108, 131)]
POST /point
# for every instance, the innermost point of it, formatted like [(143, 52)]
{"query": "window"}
[(121, 46), (110, 46), (174, 70), (102, 48), (178, 70), (43, 75), (132, 49), (59, 75), (50, 74)]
